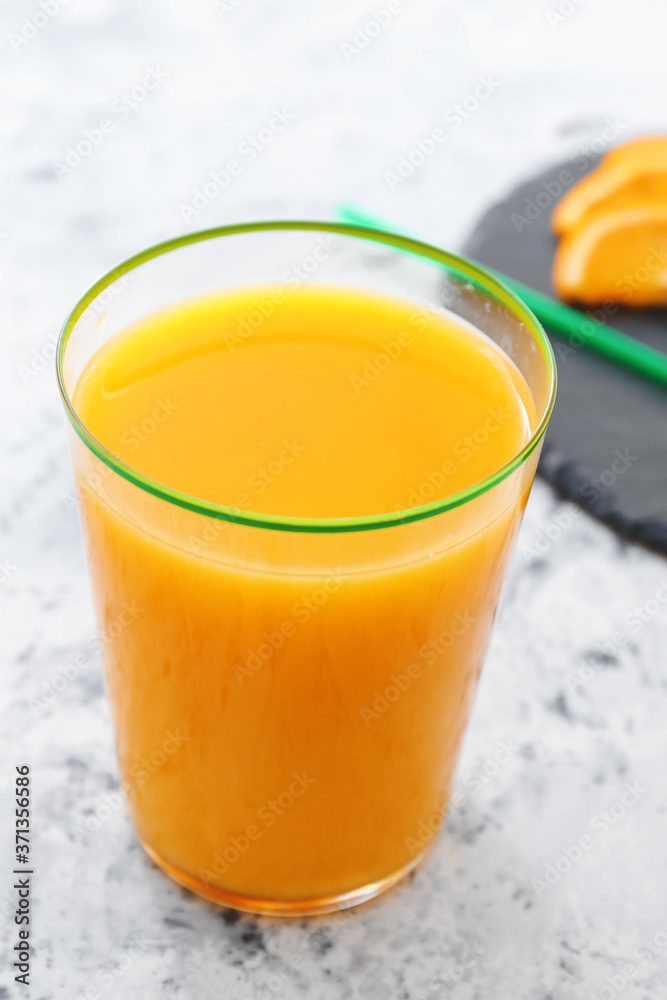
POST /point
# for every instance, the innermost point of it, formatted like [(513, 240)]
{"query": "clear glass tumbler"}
[(320, 780)]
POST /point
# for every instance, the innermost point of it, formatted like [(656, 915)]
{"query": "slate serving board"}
[(606, 445)]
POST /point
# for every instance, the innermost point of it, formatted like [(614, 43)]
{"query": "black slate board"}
[(602, 411)]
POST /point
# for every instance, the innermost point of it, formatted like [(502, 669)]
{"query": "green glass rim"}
[(472, 273)]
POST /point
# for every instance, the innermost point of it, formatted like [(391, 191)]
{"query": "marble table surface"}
[(508, 904)]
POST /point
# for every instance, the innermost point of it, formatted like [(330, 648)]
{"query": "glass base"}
[(281, 907)]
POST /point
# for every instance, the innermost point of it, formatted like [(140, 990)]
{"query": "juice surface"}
[(336, 404), (287, 729)]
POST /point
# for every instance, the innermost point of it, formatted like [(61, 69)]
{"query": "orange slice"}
[(613, 192), (649, 150), (618, 256), (635, 170)]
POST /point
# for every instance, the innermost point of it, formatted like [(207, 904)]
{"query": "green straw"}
[(561, 319)]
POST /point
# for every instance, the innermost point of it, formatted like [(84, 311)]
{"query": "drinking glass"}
[(317, 775)]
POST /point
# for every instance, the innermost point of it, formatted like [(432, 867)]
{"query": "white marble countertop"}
[(497, 909)]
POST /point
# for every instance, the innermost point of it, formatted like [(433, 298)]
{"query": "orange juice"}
[(288, 713)]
